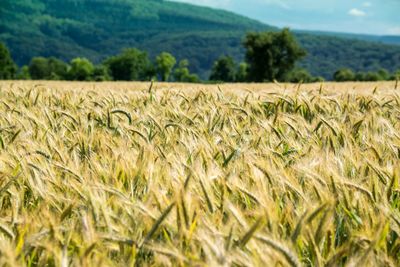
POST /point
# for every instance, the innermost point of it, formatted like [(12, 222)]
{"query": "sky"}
[(380, 17)]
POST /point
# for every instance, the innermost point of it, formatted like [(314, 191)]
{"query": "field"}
[(125, 174)]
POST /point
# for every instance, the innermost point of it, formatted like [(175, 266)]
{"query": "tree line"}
[(130, 65), (270, 56)]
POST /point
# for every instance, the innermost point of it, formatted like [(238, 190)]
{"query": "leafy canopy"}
[(81, 70), (224, 69), (343, 75), (131, 65), (165, 62), (41, 68), (271, 55), (8, 68), (182, 73)]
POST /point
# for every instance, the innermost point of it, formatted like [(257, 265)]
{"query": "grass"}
[(244, 175)]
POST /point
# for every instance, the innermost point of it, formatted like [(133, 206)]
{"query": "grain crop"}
[(103, 174)]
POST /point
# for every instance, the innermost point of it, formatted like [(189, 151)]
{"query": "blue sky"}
[(356, 16)]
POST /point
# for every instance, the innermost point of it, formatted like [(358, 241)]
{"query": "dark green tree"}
[(23, 73), (41, 68), (359, 76), (81, 70), (318, 79), (165, 62), (182, 73), (241, 74), (8, 69), (58, 69), (396, 75), (384, 75), (372, 77), (271, 55), (131, 65), (300, 76), (224, 70), (100, 74), (344, 75)]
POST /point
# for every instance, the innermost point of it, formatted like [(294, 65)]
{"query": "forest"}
[(270, 57), (96, 30)]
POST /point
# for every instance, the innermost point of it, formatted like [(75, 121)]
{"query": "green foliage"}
[(81, 70), (224, 70), (327, 54), (384, 75), (372, 77), (344, 75), (98, 29), (383, 39), (271, 55), (23, 73), (348, 75), (241, 74), (165, 62), (396, 75), (38, 68), (8, 68), (300, 75), (41, 68), (100, 73), (131, 65), (182, 73), (360, 76), (135, 65)]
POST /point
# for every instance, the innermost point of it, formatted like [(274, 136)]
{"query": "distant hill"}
[(384, 39), (100, 28)]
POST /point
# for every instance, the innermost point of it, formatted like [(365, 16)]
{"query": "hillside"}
[(99, 28), (384, 39)]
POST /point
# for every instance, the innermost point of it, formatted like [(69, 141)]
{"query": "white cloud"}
[(357, 12)]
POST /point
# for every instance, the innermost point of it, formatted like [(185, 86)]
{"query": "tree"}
[(344, 75), (224, 70), (271, 55), (384, 74), (81, 70), (318, 79), (100, 74), (396, 75), (241, 74), (8, 68), (165, 63), (41, 68), (58, 69), (360, 76), (300, 76), (23, 73), (182, 73), (38, 68), (372, 77), (131, 65)]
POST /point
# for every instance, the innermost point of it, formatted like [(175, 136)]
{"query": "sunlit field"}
[(125, 174)]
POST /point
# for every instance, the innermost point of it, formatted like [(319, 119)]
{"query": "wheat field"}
[(128, 174)]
